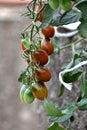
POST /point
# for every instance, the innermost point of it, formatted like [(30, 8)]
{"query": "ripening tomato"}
[(48, 46), (40, 56), (41, 16), (48, 32), (26, 95), (39, 90), (23, 47), (43, 74)]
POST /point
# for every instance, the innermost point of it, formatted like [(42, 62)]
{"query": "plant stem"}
[(69, 45), (31, 32), (27, 28), (34, 8)]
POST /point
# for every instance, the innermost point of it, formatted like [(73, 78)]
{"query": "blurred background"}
[(15, 115)]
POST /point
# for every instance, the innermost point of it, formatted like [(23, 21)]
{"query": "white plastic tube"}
[(69, 85), (72, 30)]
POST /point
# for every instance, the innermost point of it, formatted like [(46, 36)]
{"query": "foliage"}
[(45, 15)]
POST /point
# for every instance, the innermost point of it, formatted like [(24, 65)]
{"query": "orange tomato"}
[(39, 90)]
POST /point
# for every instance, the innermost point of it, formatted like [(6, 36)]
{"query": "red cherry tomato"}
[(48, 32), (40, 56), (48, 46), (43, 74)]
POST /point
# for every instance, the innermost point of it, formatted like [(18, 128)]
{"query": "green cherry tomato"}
[(28, 96), (66, 4), (22, 90), (54, 4)]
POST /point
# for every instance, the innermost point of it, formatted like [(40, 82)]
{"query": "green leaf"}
[(71, 107), (70, 17), (77, 54), (80, 55), (56, 42), (54, 4), (53, 17), (25, 40), (47, 17), (22, 77), (66, 18), (51, 110), (82, 6), (84, 85), (55, 21), (67, 111), (71, 118), (55, 126), (66, 4), (83, 28), (61, 118), (82, 105), (73, 76), (84, 54), (80, 1), (61, 90)]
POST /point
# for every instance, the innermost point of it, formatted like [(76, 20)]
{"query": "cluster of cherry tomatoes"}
[(37, 57)]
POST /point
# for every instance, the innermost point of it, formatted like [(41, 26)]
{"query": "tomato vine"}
[(39, 42)]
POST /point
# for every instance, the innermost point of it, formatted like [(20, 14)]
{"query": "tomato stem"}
[(27, 27), (69, 45)]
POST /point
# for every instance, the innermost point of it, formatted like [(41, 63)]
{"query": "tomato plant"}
[(41, 16), (43, 74), (66, 4), (48, 32), (48, 46), (39, 90), (28, 60), (54, 4), (23, 47), (40, 56), (22, 90), (26, 95), (40, 41)]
